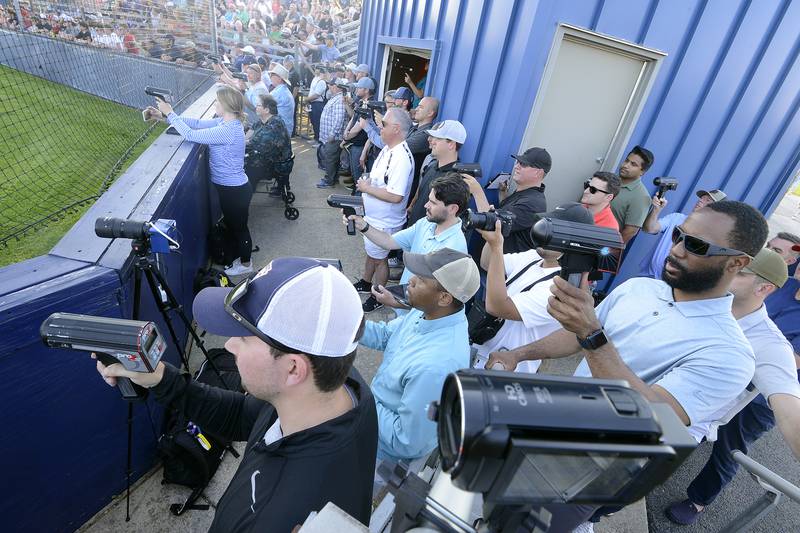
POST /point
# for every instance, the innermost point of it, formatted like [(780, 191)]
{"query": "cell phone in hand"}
[(400, 293)]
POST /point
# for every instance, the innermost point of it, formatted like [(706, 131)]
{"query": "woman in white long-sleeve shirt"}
[(225, 139)]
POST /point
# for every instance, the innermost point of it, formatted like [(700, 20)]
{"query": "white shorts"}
[(373, 250)]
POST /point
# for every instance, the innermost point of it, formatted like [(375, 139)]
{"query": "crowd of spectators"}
[(181, 32), (715, 307)]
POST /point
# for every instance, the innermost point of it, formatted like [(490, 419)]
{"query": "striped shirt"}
[(332, 121), (225, 142)]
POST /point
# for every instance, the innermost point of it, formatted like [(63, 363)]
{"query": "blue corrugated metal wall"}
[(722, 113)]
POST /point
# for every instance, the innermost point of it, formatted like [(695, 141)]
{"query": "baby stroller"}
[(280, 173)]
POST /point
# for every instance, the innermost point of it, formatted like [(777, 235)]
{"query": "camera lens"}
[(120, 228)]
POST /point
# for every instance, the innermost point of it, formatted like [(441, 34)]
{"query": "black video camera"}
[(363, 112), (584, 247), (158, 235), (239, 75), (214, 59), (528, 438), (350, 205), (137, 345), (487, 221), (377, 105), (473, 169), (161, 94), (665, 184)]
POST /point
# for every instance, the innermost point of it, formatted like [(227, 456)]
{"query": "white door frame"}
[(652, 63)]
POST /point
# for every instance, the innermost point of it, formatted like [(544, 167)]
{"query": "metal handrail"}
[(766, 477)]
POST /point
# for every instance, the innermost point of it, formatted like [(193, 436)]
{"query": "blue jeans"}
[(355, 167), (743, 429)]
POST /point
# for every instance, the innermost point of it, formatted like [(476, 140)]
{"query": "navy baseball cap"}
[(299, 303), (403, 93)]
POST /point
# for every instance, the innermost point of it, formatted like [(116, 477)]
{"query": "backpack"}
[(210, 277), (190, 454)]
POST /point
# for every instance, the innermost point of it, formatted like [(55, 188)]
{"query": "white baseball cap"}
[(452, 130), (294, 304)]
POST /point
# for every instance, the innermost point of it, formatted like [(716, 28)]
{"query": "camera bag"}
[(190, 454), (483, 326)]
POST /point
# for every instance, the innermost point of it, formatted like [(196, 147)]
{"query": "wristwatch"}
[(366, 228), (594, 340)]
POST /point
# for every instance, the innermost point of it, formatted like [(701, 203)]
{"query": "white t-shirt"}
[(393, 171), (318, 87), (532, 307)]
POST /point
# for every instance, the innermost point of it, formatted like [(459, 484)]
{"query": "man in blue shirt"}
[(420, 349), (282, 93), (652, 265), (441, 228), (675, 341)]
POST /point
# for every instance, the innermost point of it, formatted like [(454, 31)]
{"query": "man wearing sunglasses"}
[(776, 395), (308, 418), (675, 341), (597, 195), (652, 265)]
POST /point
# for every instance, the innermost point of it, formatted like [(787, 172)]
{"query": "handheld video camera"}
[(162, 94), (584, 247), (665, 184), (239, 75), (473, 169), (377, 105), (487, 221), (350, 205), (214, 59), (528, 439), (158, 235), (137, 345)]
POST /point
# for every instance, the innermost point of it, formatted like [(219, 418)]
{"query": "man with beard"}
[(652, 265), (675, 341), (440, 228)]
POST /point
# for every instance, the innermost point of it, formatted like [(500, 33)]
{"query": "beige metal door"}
[(590, 96)]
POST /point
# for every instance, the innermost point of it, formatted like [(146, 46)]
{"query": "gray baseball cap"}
[(455, 271)]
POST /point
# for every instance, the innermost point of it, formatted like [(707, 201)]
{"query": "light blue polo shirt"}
[(421, 238), (418, 355), (652, 266), (695, 350)]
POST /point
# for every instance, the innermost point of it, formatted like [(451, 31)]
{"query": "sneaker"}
[(395, 262), (238, 269), (324, 184), (371, 304), (683, 513), (363, 286)]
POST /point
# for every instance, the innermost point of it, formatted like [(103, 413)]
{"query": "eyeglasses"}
[(697, 246), (234, 296), (592, 188)]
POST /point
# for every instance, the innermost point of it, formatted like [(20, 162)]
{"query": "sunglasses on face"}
[(592, 188), (234, 296), (697, 246)]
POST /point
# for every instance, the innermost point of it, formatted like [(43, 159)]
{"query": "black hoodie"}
[(276, 486)]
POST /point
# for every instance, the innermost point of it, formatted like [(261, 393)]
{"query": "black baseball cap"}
[(569, 211), (535, 157)]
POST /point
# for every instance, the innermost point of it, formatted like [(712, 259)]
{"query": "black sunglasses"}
[(234, 296), (592, 188), (697, 246)]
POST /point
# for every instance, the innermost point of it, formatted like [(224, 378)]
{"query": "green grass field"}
[(57, 145)]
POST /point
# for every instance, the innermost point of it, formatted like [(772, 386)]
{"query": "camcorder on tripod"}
[(136, 344), (523, 441)]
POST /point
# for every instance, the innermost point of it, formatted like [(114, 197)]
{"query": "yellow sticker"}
[(203, 441)]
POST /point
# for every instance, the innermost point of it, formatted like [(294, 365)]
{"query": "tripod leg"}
[(129, 465), (174, 304), (151, 276)]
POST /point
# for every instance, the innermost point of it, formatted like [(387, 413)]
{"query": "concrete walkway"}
[(319, 233)]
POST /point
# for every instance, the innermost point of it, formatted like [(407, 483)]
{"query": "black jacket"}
[(277, 486), (525, 205)]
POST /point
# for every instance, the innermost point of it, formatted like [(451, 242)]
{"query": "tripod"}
[(165, 301)]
